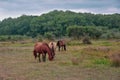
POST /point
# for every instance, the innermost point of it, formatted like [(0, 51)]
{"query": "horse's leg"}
[(35, 54), (44, 57), (39, 57), (59, 48), (65, 47), (62, 48)]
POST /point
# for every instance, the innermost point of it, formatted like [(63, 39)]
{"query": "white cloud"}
[(112, 9), (14, 8)]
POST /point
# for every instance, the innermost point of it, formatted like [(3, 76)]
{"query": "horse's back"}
[(61, 43), (40, 46)]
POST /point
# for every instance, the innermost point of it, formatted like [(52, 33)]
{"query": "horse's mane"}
[(46, 45)]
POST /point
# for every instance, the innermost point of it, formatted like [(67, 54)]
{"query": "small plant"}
[(86, 40), (101, 61), (75, 61), (115, 59)]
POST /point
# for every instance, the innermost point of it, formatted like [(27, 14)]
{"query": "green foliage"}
[(86, 40), (111, 34), (13, 37), (59, 22), (49, 35), (40, 38), (102, 61), (81, 31)]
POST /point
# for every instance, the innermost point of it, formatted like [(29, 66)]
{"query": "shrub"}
[(86, 40), (49, 35), (75, 61), (115, 59)]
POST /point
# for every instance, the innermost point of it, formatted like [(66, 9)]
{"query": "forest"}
[(58, 23)]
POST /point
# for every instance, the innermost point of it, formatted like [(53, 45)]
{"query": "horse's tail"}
[(35, 54)]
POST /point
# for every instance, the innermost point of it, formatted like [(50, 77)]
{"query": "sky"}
[(16, 8)]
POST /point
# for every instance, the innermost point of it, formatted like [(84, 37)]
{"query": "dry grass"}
[(79, 62), (115, 59), (97, 51)]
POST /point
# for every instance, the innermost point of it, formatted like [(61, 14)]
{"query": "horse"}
[(52, 45), (61, 43), (42, 48)]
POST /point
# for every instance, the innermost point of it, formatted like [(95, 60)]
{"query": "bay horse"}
[(52, 46), (42, 48), (61, 44)]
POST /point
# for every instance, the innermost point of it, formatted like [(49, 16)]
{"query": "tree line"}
[(63, 23)]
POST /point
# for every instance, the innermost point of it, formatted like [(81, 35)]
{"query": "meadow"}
[(79, 62)]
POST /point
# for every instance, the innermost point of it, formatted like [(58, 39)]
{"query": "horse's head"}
[(52, 52), (52, 46), (51, 57)]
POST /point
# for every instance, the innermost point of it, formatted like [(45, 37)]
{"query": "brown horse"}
[(52, 46), (61, 43), (42, 48)]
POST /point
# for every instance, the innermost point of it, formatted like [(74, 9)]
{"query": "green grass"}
[(79, 62), (101, 61)]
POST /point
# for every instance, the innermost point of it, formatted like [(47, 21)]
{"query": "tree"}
[(59, 22), (81, 31)]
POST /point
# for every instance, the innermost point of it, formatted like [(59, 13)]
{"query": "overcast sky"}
[(16, 8)]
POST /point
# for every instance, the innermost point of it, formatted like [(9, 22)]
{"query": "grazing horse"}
[(52, 46), (42, 48), (61, 43)]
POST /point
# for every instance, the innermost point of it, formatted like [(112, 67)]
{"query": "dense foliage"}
[(63, 23), (79, 31)]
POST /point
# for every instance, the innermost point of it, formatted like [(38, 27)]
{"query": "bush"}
[(49, 35), (86, 40), (75, 61), (111, 34), (115, 59), (40, 38)]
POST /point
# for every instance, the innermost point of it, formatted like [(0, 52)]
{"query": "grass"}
[(79, 62)]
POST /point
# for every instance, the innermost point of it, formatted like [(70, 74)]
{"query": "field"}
[(79, 62)]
